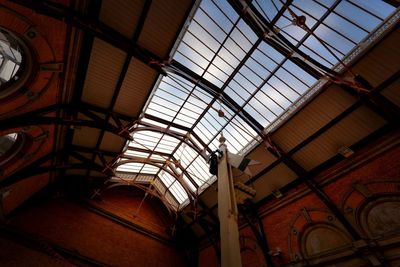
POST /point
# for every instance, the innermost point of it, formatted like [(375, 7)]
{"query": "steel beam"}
[(39, 167), (106, 111), (252, 218), (94, 27), (86, 45), (12, 179), (314, 187), (91, 150), (375, 100), (387, 111), (180, 137), (91, 164), (120, 81), (142, 150), (37, 117), (216, 92), (171, 124), (266, 31), (198, 199)]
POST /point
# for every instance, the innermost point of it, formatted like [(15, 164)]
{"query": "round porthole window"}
[(15, 63), (10, 145)]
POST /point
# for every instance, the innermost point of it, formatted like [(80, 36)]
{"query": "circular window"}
[(10, 145), (15, 63)]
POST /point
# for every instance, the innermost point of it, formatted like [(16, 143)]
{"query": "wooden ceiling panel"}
[(327, 105), (160, 29), (278, 177), (261, 155), (350, 130), (121, 15), (85, 136), (135, 89), (112, 142), (102, 75), (382, 61), (392, 92)]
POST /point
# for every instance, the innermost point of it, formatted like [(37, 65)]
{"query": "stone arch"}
[(31, 141), (381, 217), (323, 238), (374, 207), (316, 233)]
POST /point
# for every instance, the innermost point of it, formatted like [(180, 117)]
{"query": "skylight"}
[(10, 57), (182, 119)]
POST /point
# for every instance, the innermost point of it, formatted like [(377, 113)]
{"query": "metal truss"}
[(41, 117)]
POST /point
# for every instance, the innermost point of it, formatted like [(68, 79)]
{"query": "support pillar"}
[(227, 212)]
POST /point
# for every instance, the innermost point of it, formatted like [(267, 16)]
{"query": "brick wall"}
[(73, 227), (47, 46), (129, 203), (13, 254), (279, 214)]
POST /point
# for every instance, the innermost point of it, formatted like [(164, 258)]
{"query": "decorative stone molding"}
[(41, 68), (34, 139), (374, 208), (317, 237)]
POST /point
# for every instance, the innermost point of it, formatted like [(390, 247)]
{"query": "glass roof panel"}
[(136, 153), (159, 186), (189, 182), (171, 200), (128, 177), (150, 122), (177, 190), (339, 25), (166, 178), (269, 8), (135, 167), (242, 78)]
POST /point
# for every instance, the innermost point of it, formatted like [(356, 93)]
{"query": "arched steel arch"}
[(178, 136), (162, 167)]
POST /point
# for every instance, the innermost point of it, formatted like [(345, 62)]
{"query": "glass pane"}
[(248, 77)]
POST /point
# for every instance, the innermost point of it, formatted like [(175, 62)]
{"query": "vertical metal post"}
[(227, 212)]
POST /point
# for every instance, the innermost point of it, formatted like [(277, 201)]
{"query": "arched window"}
[(15, 63), (10, 145)]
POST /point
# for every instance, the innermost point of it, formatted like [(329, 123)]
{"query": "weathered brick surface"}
[(15, 255), (127, 203), (74, 227), (47, 47), (385, 167), (382, 167), (208, 258)]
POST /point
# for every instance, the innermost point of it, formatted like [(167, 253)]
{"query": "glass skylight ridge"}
[(220, 47)]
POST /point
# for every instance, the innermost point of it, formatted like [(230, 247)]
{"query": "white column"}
[(227, 213)]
